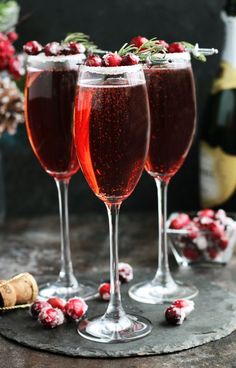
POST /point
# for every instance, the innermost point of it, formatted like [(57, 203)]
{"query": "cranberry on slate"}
[(176, 47), (125, 272), (104, 291), (57, 303), (112, 59), (138, 41), (130, 59), (52, 49), (93, 60), (175, 316), (75, 308), (32, 48), (186, 305), (180, 221), (37, 307), (51, 317)]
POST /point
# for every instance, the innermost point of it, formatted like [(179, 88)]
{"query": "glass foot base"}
[(152, 293), (87, 290), (102, 329)]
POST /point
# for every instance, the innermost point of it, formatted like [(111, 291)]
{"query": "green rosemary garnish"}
[(193, 49), (145, 51), (81, 38)]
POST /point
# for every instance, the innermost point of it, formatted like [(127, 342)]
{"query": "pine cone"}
[(11, 105)]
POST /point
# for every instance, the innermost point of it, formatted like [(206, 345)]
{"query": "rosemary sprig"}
[(126, 48), (193, 49), (81, 38), (145, 51)]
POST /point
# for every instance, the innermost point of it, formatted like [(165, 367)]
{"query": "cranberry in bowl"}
[(203, 238)]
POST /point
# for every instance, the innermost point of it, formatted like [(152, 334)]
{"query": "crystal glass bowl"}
[(199, 239)]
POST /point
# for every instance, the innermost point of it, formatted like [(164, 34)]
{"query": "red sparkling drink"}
[(112, 136), (49, 103), (173, 110)]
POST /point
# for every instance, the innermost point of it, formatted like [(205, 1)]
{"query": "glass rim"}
[(41, 61), (112, 70), (169, 58)]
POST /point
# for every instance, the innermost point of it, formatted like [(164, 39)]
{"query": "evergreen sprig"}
[(80, 38)]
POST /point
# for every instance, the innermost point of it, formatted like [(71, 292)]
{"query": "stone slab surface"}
[(207, 323)]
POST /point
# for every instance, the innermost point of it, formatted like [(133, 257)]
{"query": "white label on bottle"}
[(229, 53)]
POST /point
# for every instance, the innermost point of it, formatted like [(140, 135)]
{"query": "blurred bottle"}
[(218, 139)]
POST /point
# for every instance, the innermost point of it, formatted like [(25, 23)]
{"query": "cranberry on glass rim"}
[(49, 101), (171, 94), (111, 134)]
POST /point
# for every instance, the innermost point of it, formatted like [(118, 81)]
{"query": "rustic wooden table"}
[(33, 245)]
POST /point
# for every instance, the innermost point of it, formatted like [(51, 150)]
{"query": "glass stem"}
[(163, 276), (114, 310), (66, 277)]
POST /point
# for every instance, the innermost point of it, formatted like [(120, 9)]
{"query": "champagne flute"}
[(49, 100), (111, 139), (172, 100)]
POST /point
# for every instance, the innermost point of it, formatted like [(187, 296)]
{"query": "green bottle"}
[(218, 138)]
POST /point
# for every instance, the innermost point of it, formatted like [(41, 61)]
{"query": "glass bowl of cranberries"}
[(205, 237)]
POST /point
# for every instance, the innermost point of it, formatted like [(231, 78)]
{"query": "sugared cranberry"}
[(175, 316), (57, 303), (207, 212), (130, 59), (77, 48), (32, 48), (52, 49), (221, 215), (104, 291), (224, 242), (212, 252), (163, 43), (37, 307), (125, 272), (191, 253), (176, 47), (186, 305), (12, 36), (180, 221), (138, 41), (51, 317), (76, 308), (216, 229), (112, 59), (193, 231), (93, 60)]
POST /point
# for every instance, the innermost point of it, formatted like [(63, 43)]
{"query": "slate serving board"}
[(214, 317)]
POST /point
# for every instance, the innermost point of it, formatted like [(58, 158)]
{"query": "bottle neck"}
[(229, 52)]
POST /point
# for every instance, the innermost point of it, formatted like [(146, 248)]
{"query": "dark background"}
[(29, 190)]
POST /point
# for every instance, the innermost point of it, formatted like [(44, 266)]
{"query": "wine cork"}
[(21, 289), (7, 294)]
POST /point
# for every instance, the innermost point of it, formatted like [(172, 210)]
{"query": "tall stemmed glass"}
[(171, 94), (111, 139), (49, 101)]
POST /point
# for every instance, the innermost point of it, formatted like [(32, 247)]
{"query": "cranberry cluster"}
[(112, 59), (125, 275), (171, 48), (54, 48), (207, 234), (9, 61), (54, 311), (179, 311)]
